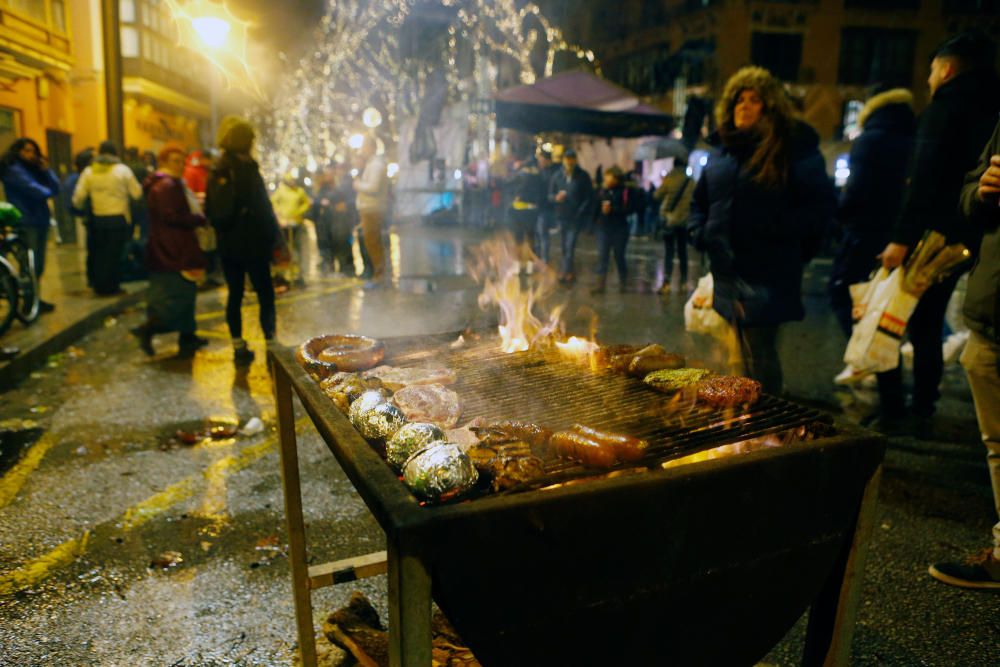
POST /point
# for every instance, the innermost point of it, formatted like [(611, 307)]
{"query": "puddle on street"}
[(13, 444)]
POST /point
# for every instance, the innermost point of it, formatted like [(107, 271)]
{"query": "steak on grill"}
[(432, 403), (396, 378), (728, 391)]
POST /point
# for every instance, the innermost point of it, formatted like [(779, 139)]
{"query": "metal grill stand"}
[(422, 547)]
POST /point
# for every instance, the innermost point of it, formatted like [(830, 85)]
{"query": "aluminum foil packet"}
[(380, 422), (408, 440), (440, 472), (364, 403)]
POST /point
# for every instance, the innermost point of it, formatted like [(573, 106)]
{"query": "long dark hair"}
[(13, 154)]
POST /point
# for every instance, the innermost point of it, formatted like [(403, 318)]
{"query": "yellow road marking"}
[(288, 299), (15, 478), (40, 568)]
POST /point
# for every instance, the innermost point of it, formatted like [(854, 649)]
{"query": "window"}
[(971, 6), (886, 5), (147, 51), (778, 52), (876, 55), (34, 9), (126, 11), (59, 15), (130, 42)]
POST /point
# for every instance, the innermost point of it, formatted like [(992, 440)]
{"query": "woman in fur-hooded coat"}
[(759, 211)]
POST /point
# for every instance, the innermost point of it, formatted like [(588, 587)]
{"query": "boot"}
[(145, 335), (599, 286)]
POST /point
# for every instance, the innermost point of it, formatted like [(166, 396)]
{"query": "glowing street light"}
[(212, 30), (356, 141)]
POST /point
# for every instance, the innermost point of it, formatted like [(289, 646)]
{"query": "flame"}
[(577, 347), (496, 263)]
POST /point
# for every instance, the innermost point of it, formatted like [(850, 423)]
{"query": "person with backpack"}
[(238, 206), (674, 195), (761, 203)]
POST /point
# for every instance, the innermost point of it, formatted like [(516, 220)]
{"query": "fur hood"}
[(760, 80), (882, 100)]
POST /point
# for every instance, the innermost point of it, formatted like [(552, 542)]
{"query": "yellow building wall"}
[(38, 115), (149, 128)]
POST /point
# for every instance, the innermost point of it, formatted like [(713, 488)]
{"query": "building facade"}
[(828, 51)]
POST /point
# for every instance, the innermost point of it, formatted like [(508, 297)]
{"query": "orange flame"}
[(496, 263)]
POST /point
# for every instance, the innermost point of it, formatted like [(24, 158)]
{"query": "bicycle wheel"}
[(22, 260), (8, 297)]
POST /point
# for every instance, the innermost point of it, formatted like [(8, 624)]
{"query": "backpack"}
[(220, 196)]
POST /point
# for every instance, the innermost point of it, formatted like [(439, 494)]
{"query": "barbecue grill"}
[(707, 563)]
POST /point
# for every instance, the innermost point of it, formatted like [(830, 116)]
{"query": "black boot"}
[(145, 335)]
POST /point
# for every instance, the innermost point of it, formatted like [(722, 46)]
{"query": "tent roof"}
[(579, 102)]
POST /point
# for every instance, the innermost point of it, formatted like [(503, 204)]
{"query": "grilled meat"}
[(396, 378), (643, 364), (728, 391), (593, 454), (506, 465), (431, 403), (626, 448), (499, 432)]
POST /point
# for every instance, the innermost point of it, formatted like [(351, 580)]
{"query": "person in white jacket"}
[(372, 202), (110, 186)]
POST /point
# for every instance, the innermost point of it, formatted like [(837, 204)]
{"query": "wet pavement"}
[(120, 544)]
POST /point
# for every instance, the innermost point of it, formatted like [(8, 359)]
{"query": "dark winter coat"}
[(622, 205), (29, 189), (324, 209), (529, 185), (871, 200), (951, 133), (172, 245), (757, 238), (982, 300), (578, 207), (238, 206)]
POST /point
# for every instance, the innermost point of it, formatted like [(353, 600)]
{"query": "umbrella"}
[(660, 149)]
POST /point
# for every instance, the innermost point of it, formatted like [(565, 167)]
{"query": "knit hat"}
[(235, 134)]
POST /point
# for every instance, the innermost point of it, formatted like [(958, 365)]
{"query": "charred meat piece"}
[(506, 465), (607, 354), (672, 381), (643, 364), (499, 432), (728, 391), (432, 403)]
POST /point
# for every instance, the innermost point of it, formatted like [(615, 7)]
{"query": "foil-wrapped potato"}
[(440, 472), (380, 422), (408, 440), (368, 400)]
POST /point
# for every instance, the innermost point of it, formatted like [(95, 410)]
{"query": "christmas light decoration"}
[(357, 72)]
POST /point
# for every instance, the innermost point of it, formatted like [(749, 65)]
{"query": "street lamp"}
[(371, 118), (213, 31)]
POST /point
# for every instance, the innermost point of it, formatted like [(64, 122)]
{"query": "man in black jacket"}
[(572, 193), (981, 358), (952, 131)]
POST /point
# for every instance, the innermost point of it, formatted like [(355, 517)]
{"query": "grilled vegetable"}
[(672, 381)]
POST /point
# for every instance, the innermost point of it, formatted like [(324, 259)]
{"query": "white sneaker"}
[(849, 377)]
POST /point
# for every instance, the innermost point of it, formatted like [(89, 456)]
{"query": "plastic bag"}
[(700, 317), (882, 309)]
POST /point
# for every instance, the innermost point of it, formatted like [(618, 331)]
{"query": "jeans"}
[(259, 271), (543, 240), (111, 234), (924, 330), (759, 346), (333, 240), (981, 360), (570, 230), (524, 223), (37, 239), (612, 237), (675, 237)]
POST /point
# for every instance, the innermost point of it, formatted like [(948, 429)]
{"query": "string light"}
[(316, 114)]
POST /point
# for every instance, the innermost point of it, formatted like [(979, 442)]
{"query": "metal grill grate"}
[(548, 389)]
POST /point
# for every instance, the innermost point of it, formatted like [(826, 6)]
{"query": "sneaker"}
[(145, 340), (849, 377), (665, 288), (953, 346), (243, 356), (191, 343), (980, 570)]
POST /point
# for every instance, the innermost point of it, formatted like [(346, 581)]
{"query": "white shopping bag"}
[(881, 309), (700, 317)]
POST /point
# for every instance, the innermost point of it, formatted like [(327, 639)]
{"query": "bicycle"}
[(19, 262), (8, 295)]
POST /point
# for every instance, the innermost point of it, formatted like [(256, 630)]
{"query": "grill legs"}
[(409, 609), (834, 613)]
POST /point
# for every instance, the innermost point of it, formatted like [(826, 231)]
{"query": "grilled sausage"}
[(506, 430), (625, 447), (573, 445), (644, 364)]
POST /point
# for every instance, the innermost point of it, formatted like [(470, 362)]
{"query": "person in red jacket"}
[(173, 255), (196, 169)]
